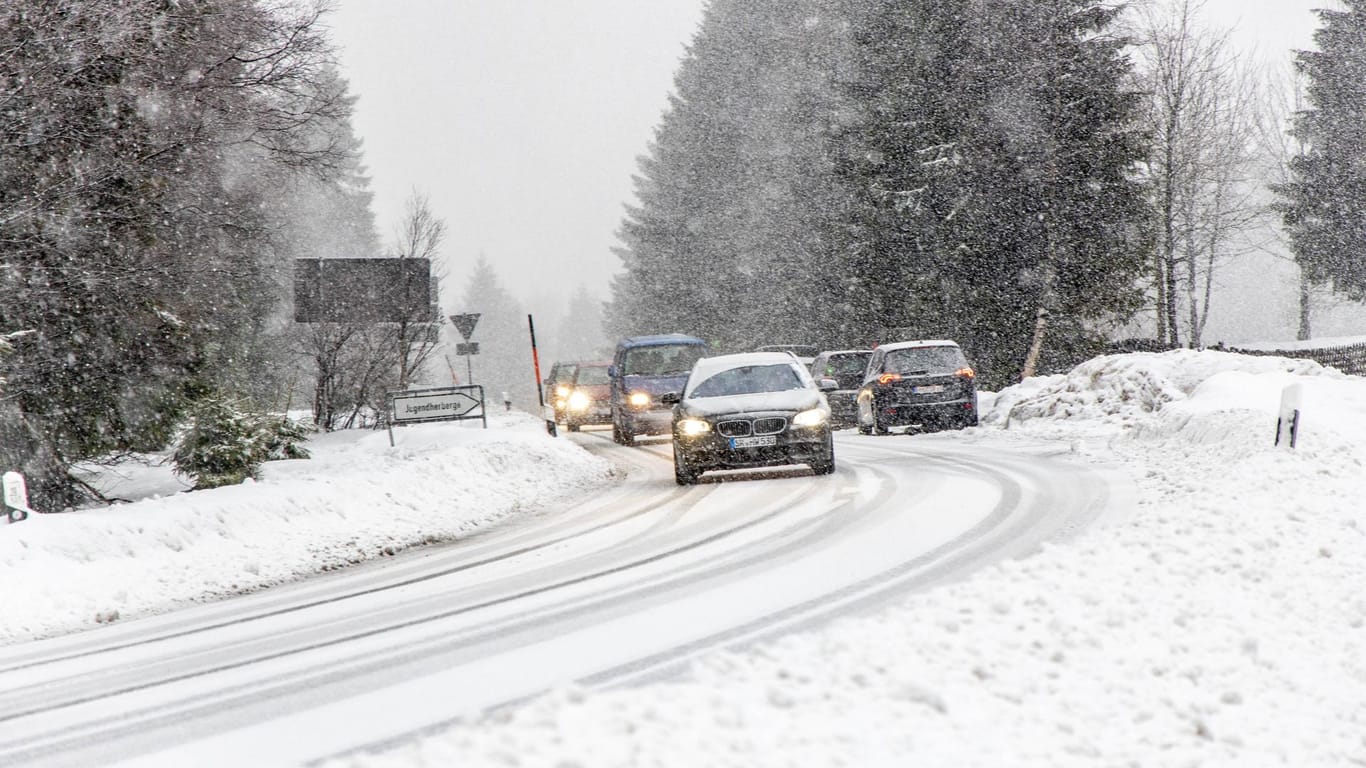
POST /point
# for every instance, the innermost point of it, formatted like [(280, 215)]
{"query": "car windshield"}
[(661, 359), (924, 360), (749, 380), (847, 369), (592, 374)]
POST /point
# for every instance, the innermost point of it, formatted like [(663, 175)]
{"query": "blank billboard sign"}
[(362, 290)]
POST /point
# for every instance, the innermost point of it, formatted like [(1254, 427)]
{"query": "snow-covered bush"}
[(225, 445), (281, 437)]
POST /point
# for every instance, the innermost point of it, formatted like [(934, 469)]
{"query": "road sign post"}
[(465, 324), (536, 368)]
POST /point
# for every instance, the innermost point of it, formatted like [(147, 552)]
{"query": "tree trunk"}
[(1168, 290), (1161, 282), (1304, 332), (1192, 281), (1036, 345)]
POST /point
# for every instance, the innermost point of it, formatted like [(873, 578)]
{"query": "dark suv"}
[(846, 367), (917, 383), (643, 368)]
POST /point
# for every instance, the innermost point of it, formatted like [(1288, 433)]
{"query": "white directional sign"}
[(437, 405)]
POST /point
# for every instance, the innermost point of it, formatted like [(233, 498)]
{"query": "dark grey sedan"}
[(759, 409)]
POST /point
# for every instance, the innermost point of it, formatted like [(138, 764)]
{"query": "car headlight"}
[(562, 392), (578, 401), (693, 427), (639, 399), (812, 418)]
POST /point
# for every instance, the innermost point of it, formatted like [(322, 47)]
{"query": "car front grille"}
[(769, 426), (734, 428)]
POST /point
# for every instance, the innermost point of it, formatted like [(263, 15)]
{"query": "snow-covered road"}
[(622, 585)]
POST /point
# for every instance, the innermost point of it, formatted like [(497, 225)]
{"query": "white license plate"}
[(928, 389), (753, 442)]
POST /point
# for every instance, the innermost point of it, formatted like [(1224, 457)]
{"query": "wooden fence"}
[(1349, 359)]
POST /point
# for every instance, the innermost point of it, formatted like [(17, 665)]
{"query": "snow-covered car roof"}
[(710, 365), (659, 339), (922, 343)]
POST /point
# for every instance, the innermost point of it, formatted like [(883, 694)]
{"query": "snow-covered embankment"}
[(356, 499), (1224, 624)]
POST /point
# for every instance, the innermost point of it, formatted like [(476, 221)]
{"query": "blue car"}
[(643, 368)]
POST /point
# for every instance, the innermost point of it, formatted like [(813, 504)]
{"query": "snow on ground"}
[(357, 498), (1223, 625)]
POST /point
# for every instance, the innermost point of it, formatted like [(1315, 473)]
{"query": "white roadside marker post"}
[(1288, 422), (15, 497)]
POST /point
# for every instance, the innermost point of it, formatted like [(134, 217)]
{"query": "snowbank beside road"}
[(1120, 390), (1224, 625), (64, 572)]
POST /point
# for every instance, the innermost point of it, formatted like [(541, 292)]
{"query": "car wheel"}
[(619, 435), (573, 427), (865, 429), (684, 474), (879, 427), (824, 466)]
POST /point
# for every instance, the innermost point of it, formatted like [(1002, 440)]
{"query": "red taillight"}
[(888, 378), (966, 373)]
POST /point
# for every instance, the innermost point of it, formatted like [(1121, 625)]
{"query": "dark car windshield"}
[(661, 359), (592, 374), (847, 368), (749, 380), (924, 360)]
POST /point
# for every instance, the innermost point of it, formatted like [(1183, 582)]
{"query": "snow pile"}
[(64, 572), (1119, 389), (1224, 625)]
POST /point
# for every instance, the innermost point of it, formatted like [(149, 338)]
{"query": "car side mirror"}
[(611, 371), (828, 385), (671, 398)]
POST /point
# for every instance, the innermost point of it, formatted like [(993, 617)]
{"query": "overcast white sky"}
[(522, 119)]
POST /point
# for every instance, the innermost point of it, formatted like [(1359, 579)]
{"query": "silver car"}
[(757, 409)]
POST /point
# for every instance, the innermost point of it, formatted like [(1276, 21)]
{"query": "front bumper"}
[(792, 446), (597, 413), (647, 421)]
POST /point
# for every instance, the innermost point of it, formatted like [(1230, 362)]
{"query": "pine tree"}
[(989, 168), (580, 335), (504, 361), (725, 238), (1324, 205), (142, 148)]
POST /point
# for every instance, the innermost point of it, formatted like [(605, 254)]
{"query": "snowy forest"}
[(1033, 178)]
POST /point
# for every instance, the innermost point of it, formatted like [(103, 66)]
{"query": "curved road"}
[(619, 587)]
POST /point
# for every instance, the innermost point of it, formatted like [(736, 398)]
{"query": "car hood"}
[(595, 391), (790, 400), (655, 385)]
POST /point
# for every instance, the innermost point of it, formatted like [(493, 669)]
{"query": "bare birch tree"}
[(419, 236), (1202, 114)]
